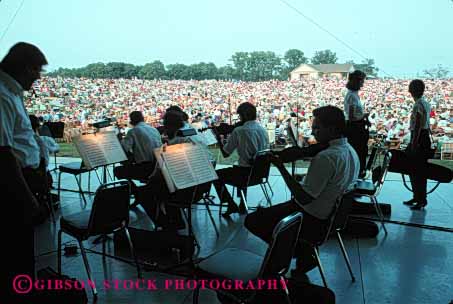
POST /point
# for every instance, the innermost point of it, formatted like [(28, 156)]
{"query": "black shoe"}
[(410, 202), (242, 209), (303, 266), (233, 208), (419, 206)]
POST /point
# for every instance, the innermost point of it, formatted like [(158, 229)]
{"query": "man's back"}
[(247, 139), (331, 173), (142, 140)]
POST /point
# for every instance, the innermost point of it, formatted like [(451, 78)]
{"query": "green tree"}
[(153, 70), (226, 73), (437, 72), (240, 61), (324, 57), (201, 71), (367, 66), (179, 71), (294, 58), (263, 66)]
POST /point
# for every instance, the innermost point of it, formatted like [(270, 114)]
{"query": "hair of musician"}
[(354, 79), (417, 88), (247, 111), (330, 116), (35, 123), (174, 120), (21, 56), (136, 117), (178, 109)]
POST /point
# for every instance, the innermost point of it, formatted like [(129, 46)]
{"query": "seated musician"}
[(247, 140), (332, 171), (154, 195), (139, 144), (46, 145)]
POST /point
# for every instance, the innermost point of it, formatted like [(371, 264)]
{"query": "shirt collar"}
[(250, 122), (11, 84), (421, 99), (338, 141)]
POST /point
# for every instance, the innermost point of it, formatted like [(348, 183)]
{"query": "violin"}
[(296, 153), (223, 128)]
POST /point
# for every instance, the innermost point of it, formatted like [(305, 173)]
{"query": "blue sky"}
[(403, 36)]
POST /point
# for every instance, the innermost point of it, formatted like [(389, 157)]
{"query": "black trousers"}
[(358, 135), (152, 195), (262, 223), (18, 253), (231, 176), (419, 157)]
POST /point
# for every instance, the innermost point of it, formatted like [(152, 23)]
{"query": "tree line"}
[(246, 66)]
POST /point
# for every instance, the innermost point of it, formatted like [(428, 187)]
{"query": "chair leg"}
[(345, 255), (87, 267), (59, 186), (266, 195), (50, 205), (59, 252), (131, 246), (270, 188), (321, 269), (206, 203), (285, 289), (196, 295), (89, 181), (188, 219), (379, 212), (244, 200), (103, 240), (80, 189)]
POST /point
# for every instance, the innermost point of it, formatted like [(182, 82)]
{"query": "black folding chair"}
[(371, 189), (259, 175), (109, 213), (237, 264), (338, 220)]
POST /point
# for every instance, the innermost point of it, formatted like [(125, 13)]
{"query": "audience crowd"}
[(79, 102)]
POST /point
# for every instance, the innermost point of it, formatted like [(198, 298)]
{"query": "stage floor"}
[(409, 265)]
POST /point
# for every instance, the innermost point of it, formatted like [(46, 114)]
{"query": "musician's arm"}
[(300, 195), (296, 153), (417, 130), (128, 141), (231, 144)]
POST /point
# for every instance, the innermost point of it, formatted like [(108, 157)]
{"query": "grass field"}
[(69, 150)]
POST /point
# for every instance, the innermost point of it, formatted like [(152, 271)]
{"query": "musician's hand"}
[(286, 155)]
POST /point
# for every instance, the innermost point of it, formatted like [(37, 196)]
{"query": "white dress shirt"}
[(15, 127)]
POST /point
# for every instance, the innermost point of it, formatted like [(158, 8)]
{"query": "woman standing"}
[(357, 122), (420, 144)]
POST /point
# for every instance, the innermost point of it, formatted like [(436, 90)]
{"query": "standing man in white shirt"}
[(420, 144), (21, 66)]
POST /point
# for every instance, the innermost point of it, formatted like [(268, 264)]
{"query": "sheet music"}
[(178, 167), (202, 168), (113, 150), (91, 153), (99, 149), (185, 165), (208, 136)]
